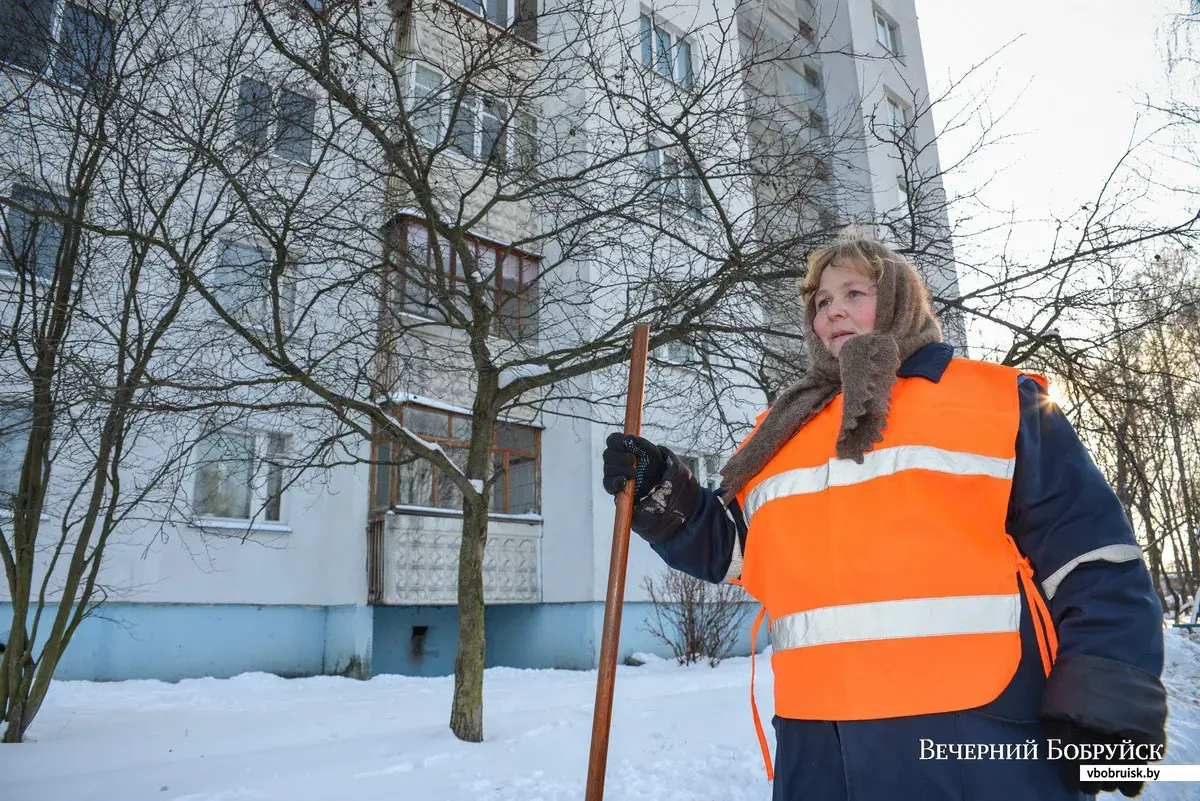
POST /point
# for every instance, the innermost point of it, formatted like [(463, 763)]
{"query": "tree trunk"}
[(466, 714), (13, 682)]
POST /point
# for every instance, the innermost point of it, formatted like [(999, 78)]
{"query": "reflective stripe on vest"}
[(885, 462), (884, 620)]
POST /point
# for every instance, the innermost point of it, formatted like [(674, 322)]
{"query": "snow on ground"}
[(679, 734)]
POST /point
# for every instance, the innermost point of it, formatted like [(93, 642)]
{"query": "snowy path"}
[(678, 735)]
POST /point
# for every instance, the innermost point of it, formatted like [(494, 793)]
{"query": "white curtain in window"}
[(223, 482)]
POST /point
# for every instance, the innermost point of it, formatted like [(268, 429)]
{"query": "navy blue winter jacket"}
[(1066, 519)]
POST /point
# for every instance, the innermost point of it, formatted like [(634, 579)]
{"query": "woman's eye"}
[(854, 293), (822, 303)]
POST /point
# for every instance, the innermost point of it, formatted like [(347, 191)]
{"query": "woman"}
[(942, 564)]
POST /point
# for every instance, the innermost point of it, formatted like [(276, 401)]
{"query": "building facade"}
[(350, 566)]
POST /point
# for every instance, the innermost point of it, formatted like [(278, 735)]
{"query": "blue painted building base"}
[(422, 640), (176, 641)]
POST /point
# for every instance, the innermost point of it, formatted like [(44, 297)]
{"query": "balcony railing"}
[(412, 559)]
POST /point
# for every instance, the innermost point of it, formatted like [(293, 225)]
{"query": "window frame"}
[(518, 17), (897, 107), (482, 112), (432, 97), (705, 468), (526, 293), (55, 44), (813, 77), (885, 24), (261, 317), (903, 193), (10, 267), (679, 353), (473, 108), (817, 121), (501, 486), (267, 138), (679, 187), (667, 61), (265, 471), (18, 452)]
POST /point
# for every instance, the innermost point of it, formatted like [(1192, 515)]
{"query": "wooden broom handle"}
[(602, 714)]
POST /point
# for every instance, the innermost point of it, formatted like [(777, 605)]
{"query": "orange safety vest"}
[(892, 586)]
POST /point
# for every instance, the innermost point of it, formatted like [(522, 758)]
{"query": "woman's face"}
[(845, 307)]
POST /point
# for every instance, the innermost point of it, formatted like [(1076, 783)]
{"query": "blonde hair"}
[(852, 250)]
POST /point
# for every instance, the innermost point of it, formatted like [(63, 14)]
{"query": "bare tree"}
[(1134, 395), (535, 186), (538, 201), (112, 368), (695, 619), (384, 205), (90, 296)]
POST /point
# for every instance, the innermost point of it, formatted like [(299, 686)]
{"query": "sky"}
[(1077, 75)]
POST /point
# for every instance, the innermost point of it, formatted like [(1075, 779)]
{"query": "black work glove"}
[(1069, 733), (1095, 701), (619, 468)]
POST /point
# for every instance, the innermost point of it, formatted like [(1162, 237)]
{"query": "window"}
[(827, 219), (516, 296), (15, 422), (683, 63), (705, 469), (666, 53), (294, 128), (899, 120), (240, 473), (902, 194), (806, 30), (400, 478), (520, 14), (425, 275), (70, 41), (804, 85), (425, 108), (31, 239), (676, 183), (243, 286), (477, 127), (481, 128), (662, 53), (817, 120), (278, 120), (812, 78), (679, 352), (887, 33), (525, 144)]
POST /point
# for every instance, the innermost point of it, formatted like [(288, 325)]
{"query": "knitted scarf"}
[(865, 373)]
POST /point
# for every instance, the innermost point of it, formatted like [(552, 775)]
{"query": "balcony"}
[(412, 560)]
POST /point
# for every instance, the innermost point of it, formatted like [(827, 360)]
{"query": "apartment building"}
[(352, 566)]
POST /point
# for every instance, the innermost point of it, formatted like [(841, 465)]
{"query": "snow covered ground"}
[(679, 734)]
